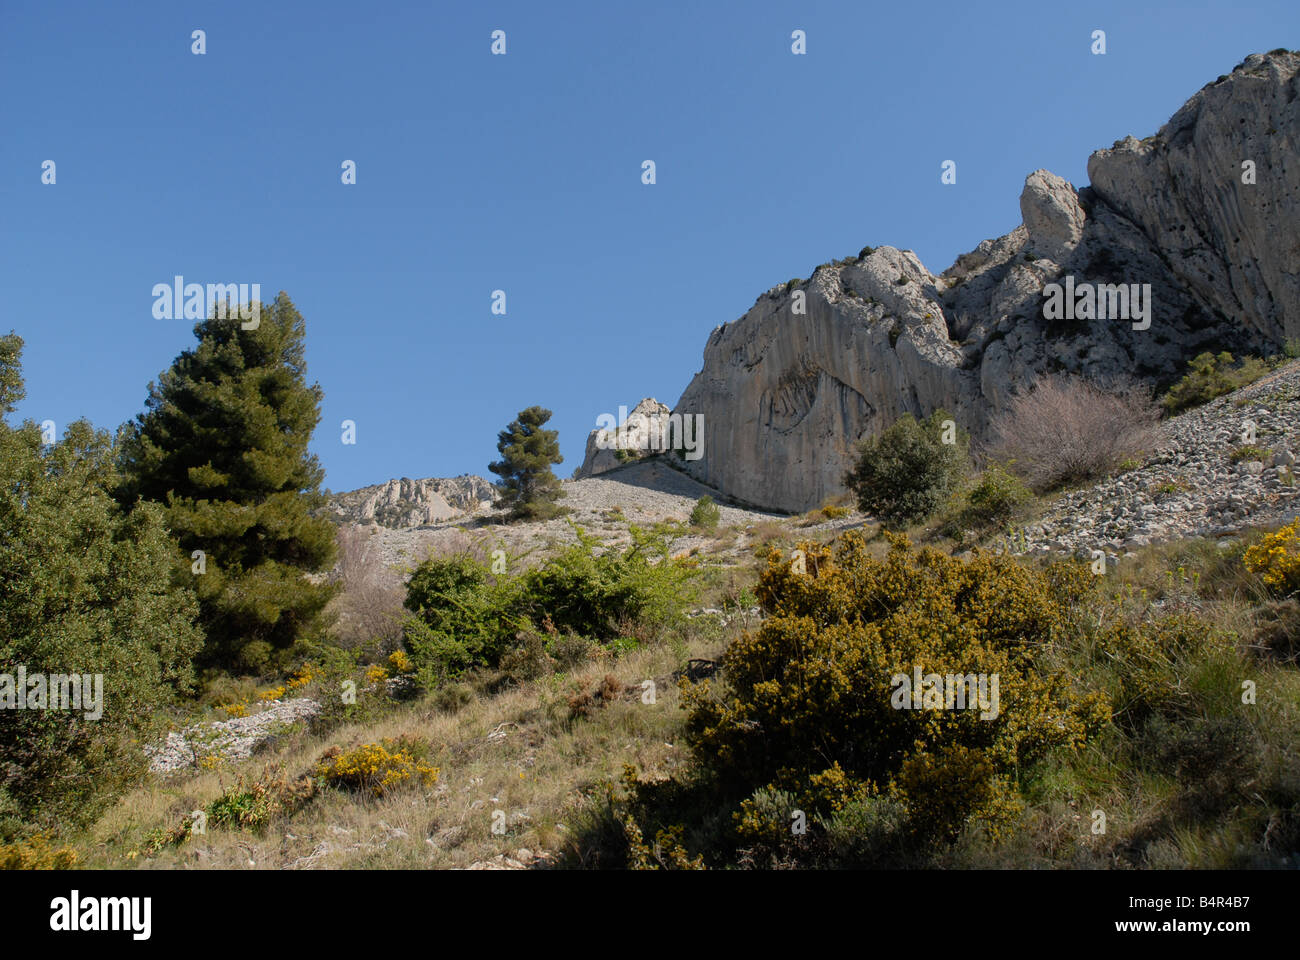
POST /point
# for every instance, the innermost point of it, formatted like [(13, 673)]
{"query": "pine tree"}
[(223, 444), (11, 373), (84, 589), (529, 488)]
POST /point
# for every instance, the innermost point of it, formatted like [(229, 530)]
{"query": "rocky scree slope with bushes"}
[(1206, 478)]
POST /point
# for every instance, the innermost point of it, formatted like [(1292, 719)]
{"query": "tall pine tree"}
[(529, 489), (223, 445)]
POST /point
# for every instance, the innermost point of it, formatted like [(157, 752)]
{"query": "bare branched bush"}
[(370, 604), (1067, 430)]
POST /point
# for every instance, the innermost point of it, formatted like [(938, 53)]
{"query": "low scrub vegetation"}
[(1212, 375), (1124, 735), (464, 615), (813, 707), (705, 515), (1276, 559), (1067, 431), (253, 803), (374, 769), (995, 501)]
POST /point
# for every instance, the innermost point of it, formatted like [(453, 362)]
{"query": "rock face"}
[(639, 433), (412, 503), (788, 390)]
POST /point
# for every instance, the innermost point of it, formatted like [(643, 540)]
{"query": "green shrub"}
[(903, 475), (1209, 376), (465, 616), (812, 703), (1248, 452), (570, 649), (85, 589), (705, 513), (595, 595), (253, 804), (866, 833), (997, 499)]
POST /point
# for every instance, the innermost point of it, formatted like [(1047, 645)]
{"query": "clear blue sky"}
[(523, 173)]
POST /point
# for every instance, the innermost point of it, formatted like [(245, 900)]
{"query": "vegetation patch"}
[(376, 769)]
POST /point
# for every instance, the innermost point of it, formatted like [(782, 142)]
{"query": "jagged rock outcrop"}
[(412, 503), (638, 434), (788, 390)]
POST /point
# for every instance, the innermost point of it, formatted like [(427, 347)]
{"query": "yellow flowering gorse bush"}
[(810, 705), (376, 768), (36, 853), (1276, 558)]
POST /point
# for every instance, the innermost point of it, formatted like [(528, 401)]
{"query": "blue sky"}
[(523, 173)]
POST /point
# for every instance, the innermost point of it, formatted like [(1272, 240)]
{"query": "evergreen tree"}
[(906, 473), (84, 589), (529, 488), (223, 444), (11, 373)]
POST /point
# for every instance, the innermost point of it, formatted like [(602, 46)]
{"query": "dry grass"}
[(525, 752)]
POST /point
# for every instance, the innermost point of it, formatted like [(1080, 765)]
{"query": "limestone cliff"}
[(788, 389)]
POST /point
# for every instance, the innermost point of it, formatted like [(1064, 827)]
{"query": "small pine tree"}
[(528, 487), (705, 514), (223, 445)]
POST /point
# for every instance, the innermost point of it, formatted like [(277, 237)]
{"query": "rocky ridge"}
[(412, 503), (813, 366)]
